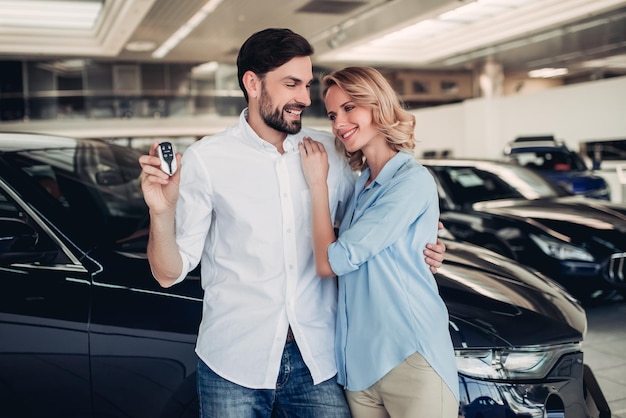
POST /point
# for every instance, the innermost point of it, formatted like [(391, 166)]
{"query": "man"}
[(239, 203)]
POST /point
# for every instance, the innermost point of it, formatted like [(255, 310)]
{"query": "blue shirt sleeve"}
[(382, 214)]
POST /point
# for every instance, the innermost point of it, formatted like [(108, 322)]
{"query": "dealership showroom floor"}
[(605, 352)]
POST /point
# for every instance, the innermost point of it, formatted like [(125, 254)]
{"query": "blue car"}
[(554, 161)]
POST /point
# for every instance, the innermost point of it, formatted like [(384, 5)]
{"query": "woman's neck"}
[(377, 158)]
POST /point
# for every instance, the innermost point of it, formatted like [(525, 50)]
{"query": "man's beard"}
[(274, 117)]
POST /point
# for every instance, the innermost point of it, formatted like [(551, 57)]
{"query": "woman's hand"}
[(314, 162)]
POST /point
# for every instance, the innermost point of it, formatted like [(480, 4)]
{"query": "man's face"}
[(284, 95)]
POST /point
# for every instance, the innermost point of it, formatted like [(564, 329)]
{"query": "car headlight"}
[(560, 250), (511, 363)]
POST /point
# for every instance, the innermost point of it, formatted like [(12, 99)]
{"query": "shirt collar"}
[(390, 168), (290, 144)]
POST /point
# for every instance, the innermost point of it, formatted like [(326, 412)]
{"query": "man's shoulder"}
[(215, 139), (325, 137), (318, 134)]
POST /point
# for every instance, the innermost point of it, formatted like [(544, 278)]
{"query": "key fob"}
[(167, 154)]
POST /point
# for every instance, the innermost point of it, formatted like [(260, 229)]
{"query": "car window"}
[(45, 246), (93, 180), (525, 182), (549, 160), (468, 185), (485, 182)]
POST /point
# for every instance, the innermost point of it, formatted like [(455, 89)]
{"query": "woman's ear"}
[(252, 84)]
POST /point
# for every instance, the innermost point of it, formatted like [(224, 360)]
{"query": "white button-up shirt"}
[(244, 213)]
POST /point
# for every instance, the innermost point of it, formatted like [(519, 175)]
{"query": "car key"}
[(166, 153)]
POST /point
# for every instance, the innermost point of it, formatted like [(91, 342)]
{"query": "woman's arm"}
[(315, 167)]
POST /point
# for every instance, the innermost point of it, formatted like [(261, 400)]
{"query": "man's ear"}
[(252, 84)]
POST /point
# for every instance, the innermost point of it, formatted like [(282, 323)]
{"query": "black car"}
[(85, 331), (509, 209)]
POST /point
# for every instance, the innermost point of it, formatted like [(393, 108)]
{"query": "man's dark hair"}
[(268, 49)]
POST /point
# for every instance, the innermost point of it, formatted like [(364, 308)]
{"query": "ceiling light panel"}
[(547, 72), (55, 14), (467, 28), (186, 28)]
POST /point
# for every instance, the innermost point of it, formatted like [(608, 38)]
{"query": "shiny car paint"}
[(579, 242), (85, 331)]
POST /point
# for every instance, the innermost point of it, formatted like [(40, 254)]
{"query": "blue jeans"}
[(295, 395)]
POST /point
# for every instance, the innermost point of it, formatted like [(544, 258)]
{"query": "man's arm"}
[(160, 191), (435, 253)]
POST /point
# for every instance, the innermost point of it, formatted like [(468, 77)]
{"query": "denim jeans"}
[(295, 395)]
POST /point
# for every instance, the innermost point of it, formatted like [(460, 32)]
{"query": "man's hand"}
[(160, 191), (435, 253)]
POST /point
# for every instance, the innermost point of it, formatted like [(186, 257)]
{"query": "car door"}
[(44, 315), (142, 340)]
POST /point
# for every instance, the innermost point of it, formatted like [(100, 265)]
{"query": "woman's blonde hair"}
[(367, 87)]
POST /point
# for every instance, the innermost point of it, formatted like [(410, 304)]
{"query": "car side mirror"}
[(17, 242)]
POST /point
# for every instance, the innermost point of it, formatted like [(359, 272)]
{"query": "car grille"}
[(617, 265)]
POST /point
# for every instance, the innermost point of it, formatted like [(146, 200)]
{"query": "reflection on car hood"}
[(494, 302), (575, 217)]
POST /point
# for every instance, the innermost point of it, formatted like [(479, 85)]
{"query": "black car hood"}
[(574, 217), (495, 302)]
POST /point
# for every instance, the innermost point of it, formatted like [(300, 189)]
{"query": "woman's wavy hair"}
[(367, 87)]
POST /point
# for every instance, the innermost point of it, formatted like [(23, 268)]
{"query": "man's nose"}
[(304, 96)]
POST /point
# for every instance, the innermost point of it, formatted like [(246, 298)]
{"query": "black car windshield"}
[(470, 184)]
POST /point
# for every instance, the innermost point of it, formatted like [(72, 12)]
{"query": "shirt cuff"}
[(338, 259)]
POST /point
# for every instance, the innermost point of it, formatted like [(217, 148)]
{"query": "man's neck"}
[(269, 135)]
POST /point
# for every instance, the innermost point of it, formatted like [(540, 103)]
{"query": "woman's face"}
[(351, 123)]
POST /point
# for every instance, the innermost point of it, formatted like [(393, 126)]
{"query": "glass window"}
[(42, 245), (99, 78), (40, 78), (421, 87), (449, 87), (11, 80)]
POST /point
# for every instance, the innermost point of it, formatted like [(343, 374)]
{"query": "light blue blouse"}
[(389, 305)]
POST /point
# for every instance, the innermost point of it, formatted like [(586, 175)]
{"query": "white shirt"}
[(244, 212)]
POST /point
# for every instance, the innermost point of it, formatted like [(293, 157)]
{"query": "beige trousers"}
[(410, 390)]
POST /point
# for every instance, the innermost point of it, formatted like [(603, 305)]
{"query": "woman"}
[(393, 348)]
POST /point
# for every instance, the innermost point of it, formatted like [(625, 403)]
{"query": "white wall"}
[(480, 128)]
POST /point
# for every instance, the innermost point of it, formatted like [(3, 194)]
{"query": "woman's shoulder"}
[(413, 171)]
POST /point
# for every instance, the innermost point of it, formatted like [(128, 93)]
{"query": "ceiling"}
[(586, 36)]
